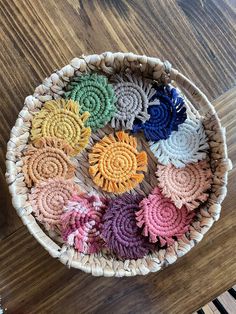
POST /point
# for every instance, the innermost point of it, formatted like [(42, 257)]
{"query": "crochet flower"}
[(186, 186), (48, 199), (165, 116), (120, 231), (132, 95), (187, 145), (161, 220), (60, 118), (115, 163), (95, 95), (82, 222), (47, 158)]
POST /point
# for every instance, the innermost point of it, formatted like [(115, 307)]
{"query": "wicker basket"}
[(101, 264)]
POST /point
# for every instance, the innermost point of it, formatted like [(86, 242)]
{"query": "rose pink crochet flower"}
[(49, 197), (120, 230), (161, 219), (81, 223), (186, 186)]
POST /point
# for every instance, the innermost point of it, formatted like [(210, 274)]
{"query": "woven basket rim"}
[(98, 265)]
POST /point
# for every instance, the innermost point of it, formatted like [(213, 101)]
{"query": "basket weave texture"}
[(103, 264)]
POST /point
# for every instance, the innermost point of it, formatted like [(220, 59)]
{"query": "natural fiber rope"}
[(46, 159), (52, 87), (188, 144), (120, 231), (61, 119), (115, 163), (132, 100), (95, 95), (82, 222), (161, 219), (186, 186), (48, 199)]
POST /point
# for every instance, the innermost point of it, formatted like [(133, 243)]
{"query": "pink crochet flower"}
[(120, 231), (81, 223), (161, 220), (49, 197), (185, 186)]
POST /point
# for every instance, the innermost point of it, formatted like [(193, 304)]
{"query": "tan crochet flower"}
[(46, 159), (186, 186)]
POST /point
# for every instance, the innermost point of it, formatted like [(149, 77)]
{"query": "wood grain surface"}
[(37, 37)]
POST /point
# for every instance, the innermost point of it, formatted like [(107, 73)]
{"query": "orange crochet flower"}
[(48, 199), (185, 186), (115, 161), (60, 118), (47, 158)]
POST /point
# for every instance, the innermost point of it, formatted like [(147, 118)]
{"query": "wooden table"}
[(198, 38)]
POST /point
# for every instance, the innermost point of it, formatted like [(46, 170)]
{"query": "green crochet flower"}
[(95, 95)]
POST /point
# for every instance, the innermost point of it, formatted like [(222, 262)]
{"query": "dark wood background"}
[(39, 36)]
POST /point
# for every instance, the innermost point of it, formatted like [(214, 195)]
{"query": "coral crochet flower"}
[(186, 186), (115, 163), (47, 158), (120, 231), (187, 145), (82, 222), (167, 112), (60, 118), (161, 220), (95, 95), (48, 199), (132, 95)]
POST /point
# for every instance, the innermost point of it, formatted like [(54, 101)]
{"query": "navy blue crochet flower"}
[(165, 116)]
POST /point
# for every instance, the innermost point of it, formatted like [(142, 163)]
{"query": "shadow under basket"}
[(103, 263)]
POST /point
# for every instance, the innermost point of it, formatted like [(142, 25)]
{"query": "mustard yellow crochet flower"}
[(115, 163), (60, 118)]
